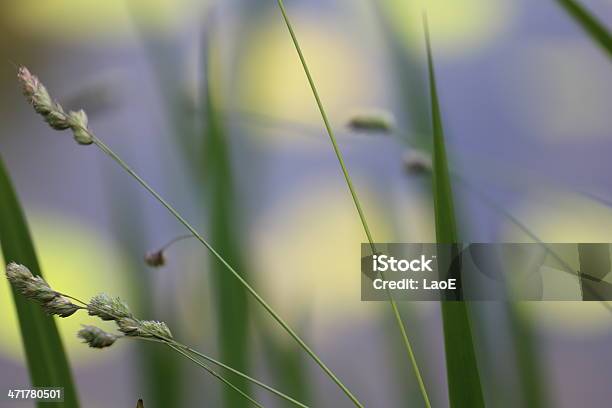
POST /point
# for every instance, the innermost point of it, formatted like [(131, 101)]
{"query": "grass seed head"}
[(155, 329), (53, 113), (155, 259), (18, 275), (32, 287), (60, 306), (144, 328), (107, 308), (96, 337), (78, 123), (129, 326), (35, 288)]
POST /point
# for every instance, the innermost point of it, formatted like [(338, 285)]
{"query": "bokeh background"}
[(207, 100)]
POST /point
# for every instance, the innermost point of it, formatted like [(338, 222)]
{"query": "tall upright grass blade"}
[(589, 23), (231, 298), (46, 359), (464, 386), (355, 197)]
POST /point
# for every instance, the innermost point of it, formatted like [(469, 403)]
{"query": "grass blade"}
[(464, 386), (45, 355), (353, 192), (231, 298), (589, 23)]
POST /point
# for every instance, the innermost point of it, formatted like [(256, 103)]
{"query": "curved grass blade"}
[(45, 355), (464, 386), (589, 23)]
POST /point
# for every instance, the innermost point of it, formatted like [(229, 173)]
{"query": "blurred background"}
[(207, 100)]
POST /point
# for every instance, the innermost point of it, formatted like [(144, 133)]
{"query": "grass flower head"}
[(96, 337)]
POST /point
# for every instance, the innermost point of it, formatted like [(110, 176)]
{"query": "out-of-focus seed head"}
[(372, 121), (107, 308), (155, 259), (417, 162), (96, 337)]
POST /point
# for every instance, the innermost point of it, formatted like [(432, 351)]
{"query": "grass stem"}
[(108, 151), (215, 374), (240, 374)]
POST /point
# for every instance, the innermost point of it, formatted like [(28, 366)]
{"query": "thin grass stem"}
[(215, 374), (355, 197), (109, 152), (174, 240), (233, 370)]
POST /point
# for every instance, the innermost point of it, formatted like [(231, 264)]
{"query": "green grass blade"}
[(464, 386), (45, 355), (589, 23), (231, 298)]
